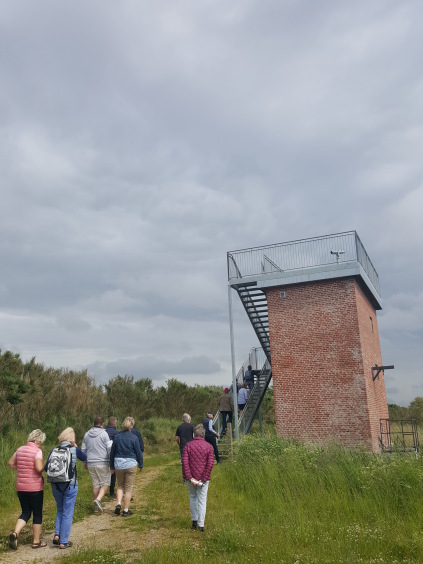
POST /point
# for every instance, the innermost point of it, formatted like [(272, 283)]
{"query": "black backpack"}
[(59, 466)]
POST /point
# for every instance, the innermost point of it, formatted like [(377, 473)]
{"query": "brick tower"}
[(320, 332)]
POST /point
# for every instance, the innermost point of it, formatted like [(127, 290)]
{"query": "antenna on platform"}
[(337, 253)]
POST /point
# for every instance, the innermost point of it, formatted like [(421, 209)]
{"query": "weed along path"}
[(106, 530)]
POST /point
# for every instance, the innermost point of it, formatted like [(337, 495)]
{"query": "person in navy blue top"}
[(65, 493), (138, 435), (249, 377), (125, 455), (112, 432)]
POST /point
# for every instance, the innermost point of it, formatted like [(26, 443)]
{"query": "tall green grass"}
[(282, 501), (308, 502)]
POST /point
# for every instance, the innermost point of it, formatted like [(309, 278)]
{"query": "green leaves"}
[(12, 387)]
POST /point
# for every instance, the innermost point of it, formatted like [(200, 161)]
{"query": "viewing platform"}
[(341, 255)]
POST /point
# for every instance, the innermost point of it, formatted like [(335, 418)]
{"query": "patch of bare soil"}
[(101, 531)]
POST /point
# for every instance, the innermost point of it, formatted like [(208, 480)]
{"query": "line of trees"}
[(413, 411), (32, 395)]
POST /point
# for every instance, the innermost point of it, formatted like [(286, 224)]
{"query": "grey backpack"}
[(59, 465)]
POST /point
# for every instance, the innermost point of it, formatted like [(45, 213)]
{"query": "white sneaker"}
[(97, 506)]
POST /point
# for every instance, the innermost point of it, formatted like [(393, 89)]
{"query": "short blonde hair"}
[(186, 417), (128, 423), (36, 436), (67, 434), (199, 431)]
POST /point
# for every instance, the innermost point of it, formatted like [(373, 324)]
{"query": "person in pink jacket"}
[(197, 464), (28, 462)]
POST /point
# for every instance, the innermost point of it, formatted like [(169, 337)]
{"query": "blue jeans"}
[(65, 500)]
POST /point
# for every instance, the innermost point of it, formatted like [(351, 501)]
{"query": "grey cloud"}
[(73, 324), (133, 158), (156, 369)]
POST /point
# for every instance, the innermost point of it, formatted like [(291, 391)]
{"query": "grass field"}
[(277, 501)]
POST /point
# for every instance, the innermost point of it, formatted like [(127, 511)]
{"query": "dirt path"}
[(99, 530)]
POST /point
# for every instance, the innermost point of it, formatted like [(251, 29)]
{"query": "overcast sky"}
[(141, 141)]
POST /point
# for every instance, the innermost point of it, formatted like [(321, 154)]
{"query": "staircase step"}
[(251, 291)]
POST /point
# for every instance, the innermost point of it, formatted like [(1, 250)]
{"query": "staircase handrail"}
[(256, 316), (246, 419), (256, 358)]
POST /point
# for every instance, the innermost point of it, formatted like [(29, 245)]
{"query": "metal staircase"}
[(256, 396), (257, 359), (255, 305)]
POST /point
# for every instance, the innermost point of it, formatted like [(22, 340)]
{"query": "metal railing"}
[(399, 436), (297, 255), (255, 397), (256, 358)]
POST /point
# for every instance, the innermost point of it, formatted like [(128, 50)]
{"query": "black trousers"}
[(31, 502), (226, 415), (112, 483), (212, 440)]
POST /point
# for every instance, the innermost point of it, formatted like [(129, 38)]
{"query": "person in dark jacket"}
[(226, 407), (138, 435), (184, 433), (197, 464), (249, 377), (112, 432), (125, 455)]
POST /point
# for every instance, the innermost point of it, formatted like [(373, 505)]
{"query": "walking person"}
[(139, 437), (97, 445), (112, 431), (140, 440), (249, 377), (226, 407), (184, 433), (242, 398), (197, 464), (28, 463), (125, 455), (64, 490), (210, 434)]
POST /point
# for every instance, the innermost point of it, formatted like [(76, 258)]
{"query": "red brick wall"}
[(322, 349), (371, 353)]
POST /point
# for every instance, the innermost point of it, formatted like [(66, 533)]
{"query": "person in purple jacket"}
[(197, 464)]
